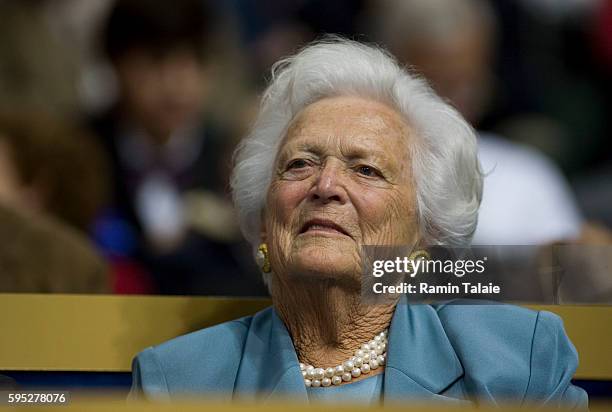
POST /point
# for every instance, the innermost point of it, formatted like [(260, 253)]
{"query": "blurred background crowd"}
[(118, 119)]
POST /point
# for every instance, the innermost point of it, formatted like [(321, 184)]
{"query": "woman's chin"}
[(341, 264)]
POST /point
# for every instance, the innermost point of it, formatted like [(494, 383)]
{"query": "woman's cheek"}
[(386, 216), (284, 199), (371, 206), (285, 196)]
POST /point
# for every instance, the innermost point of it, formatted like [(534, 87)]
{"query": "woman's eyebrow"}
[(315, 149), (356, 152), (285, 153)]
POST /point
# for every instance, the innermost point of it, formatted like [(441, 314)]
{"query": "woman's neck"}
[(328, 322)]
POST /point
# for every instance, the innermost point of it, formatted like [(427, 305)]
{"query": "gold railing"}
[(103, 333)]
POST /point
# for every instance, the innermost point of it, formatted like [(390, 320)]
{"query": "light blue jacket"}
[(452, 352)]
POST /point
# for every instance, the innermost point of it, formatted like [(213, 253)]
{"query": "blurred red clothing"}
[(129, 278)]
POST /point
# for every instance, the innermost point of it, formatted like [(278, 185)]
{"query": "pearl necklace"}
[(371, 355)]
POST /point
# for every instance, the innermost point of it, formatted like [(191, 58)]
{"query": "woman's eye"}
[(297, 164), (368, 171)]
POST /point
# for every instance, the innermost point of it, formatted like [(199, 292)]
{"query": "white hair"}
[(444, 156)]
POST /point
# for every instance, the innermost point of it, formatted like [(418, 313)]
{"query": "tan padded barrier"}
[(103, 333)]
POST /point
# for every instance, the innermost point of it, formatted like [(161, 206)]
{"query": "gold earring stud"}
[(417, 255), (262, 258)]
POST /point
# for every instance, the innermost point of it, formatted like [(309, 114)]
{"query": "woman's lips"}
[(323, 226)]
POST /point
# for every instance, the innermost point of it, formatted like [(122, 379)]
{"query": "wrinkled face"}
[(342, 180)]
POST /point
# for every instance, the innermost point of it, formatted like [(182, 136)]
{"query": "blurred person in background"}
[(51, 167), (169, 211), (272, 29), (52, 184), (526, 199)]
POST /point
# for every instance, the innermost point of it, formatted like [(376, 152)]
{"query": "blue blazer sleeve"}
[(148, 379), (553, 363)]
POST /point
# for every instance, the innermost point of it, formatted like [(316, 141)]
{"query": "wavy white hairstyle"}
[(444, 156)]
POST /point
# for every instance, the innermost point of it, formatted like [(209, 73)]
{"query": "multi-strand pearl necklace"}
[(371, 355)]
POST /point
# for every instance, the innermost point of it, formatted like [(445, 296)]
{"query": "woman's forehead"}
[(343, 111), (349, 121)]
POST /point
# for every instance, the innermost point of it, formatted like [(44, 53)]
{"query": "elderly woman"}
[(351, 150)]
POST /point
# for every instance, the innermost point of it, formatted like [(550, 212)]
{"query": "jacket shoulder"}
[(486, 336), (510, 352), (474, 317), (203, 361)]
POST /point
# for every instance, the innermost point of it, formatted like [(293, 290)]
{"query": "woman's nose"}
[(329, 185)]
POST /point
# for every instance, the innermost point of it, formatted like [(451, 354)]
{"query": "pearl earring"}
[(263, 261)]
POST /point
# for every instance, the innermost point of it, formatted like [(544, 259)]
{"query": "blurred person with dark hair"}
[(169, 211), (272, 29), (526, 199)]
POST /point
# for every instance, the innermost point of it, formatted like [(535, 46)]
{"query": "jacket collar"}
[(421, 362), (269, 368)]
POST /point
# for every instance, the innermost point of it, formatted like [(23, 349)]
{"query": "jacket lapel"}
[(269, 366), (421, 362)]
